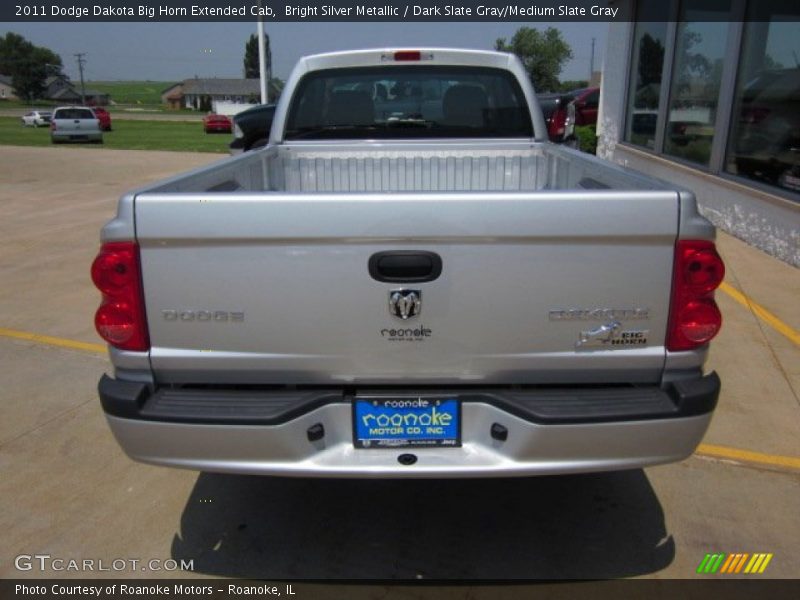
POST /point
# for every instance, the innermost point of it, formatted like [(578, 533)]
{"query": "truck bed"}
[(409, 167)]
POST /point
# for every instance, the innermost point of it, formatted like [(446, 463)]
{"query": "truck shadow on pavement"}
[(589, 526)]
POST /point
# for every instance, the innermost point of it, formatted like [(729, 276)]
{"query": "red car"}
[(216, 124), (563, 112), (103, 116), (586, 101)]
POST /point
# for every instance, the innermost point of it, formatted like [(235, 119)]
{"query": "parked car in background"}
[(214, 123), (75, 124), (36, 118), (251, 128), (586, 102), (554, 110), (767, 137), (103, 116), (581, 111)]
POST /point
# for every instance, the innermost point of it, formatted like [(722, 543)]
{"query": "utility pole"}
[(591, 63), (81, 62), (262, 67)]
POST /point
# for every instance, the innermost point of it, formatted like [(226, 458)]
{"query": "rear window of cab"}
[(74, 113)]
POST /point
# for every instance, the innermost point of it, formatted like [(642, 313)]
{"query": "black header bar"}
[(542, 11)]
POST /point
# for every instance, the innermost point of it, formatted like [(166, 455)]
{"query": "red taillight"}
[(52, 125), (408, 55), (694, 316), (120, 320), (557, 122), (703, 269)]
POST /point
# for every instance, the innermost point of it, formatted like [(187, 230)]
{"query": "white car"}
[(36, 118)]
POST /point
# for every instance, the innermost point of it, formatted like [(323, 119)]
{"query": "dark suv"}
[(251, 128)]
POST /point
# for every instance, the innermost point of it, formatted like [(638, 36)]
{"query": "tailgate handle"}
[(405, 266)]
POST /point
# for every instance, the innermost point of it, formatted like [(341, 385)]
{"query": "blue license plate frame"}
[(406, 422)]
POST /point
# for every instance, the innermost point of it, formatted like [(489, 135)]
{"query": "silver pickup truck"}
[(408, 281)]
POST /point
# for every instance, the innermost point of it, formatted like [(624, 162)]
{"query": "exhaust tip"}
[(407, 459)]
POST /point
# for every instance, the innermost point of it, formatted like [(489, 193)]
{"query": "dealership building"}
[(706, 94)]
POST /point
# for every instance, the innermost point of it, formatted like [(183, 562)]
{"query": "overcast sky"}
[(176, 51)]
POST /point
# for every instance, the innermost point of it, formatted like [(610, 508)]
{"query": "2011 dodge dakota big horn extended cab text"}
[(408, 281)]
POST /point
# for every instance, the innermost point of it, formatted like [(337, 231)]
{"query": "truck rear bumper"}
[(546, 432)]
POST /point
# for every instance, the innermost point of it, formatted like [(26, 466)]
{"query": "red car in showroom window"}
[(216, 124)]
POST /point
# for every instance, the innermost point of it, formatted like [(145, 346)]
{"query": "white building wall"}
[(611, 113), (229, 108)]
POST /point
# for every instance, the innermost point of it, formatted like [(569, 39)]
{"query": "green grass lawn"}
[(131, 92), (178, 136)]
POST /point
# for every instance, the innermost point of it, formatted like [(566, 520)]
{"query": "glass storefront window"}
[(696, 77), (647, 66), (765, 124)]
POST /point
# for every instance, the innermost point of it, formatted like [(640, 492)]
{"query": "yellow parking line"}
[(747, 456), (52, 341), (762, 313)]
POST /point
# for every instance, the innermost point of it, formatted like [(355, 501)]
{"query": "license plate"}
[(396, 422)]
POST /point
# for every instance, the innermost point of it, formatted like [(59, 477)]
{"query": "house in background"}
[(222, 96), (173, 96), (708, 96), (57, 88), (60, 89), (6, 89)]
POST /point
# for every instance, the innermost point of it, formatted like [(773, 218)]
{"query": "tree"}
[(651, 60), (276, 88), (542, 53), (572, 84), (651, 64), (27, 65), (692, 66), (251, 69)]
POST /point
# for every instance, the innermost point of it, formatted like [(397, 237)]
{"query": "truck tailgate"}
[(274, 288)]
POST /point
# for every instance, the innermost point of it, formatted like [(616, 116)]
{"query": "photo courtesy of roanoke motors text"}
[(414, 300)]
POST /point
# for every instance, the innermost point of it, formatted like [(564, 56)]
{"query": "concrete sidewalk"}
[(758, 365)]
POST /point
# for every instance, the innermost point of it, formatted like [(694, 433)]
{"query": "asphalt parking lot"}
[(69, 491)]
